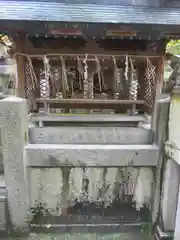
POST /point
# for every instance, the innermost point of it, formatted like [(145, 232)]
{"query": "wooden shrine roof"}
[(36, 16)]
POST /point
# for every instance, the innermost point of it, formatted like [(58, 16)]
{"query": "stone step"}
[(91, 233), (85, 236), (90, 135)]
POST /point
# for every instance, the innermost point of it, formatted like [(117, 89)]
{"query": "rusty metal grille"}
[(30, 87), (150, 83), (133, 86), (44, 85)]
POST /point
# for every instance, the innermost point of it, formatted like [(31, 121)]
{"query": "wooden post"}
[(21, 76), (21, 44), (159, 83)]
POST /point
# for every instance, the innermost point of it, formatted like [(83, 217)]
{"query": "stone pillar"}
[(170, 195), (177, 224), (171, 173), (14, 127), (171, 176), (160, 136)]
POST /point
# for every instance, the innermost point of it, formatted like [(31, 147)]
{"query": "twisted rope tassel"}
[(32, 72), (46, 68), (126, 67), (134, 82), (100, 75), (81, 71), (85, 77), (117, 80), (65, 86), (150, 77), (33, 81), (98, 70)]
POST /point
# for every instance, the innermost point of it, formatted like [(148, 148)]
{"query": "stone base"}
[(90, 228), (161, 235), (3, 206)]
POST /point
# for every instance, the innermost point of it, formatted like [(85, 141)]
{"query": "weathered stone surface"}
[(174, 127), (97, 118), (3, 205), (177, 225), (90, 135), (170, 194), (61, 188), (160, 136), (54, 155), (14, 126), (171, 159), (3, 211)]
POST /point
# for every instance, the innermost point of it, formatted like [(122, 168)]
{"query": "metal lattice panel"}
[(44, 85), (103, 80), (30, 87), (133, 89), (149, 78)]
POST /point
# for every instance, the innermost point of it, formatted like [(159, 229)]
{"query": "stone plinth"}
[(14, 127)]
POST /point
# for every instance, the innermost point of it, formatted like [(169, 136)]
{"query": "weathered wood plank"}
[(86, 103)]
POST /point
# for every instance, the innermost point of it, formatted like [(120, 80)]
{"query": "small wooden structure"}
[(122, 79), (115, 62), (103, 54), (89, 58)]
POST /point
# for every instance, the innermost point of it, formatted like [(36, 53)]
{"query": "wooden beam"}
[(86, 103), (91, 47), (20, 68), (21, 76)]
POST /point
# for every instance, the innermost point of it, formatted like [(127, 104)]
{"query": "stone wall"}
[(113, 166), (103, 172), (170, 198)]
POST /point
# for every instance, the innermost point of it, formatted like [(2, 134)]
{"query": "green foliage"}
[(37, 212), (173, 47)]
